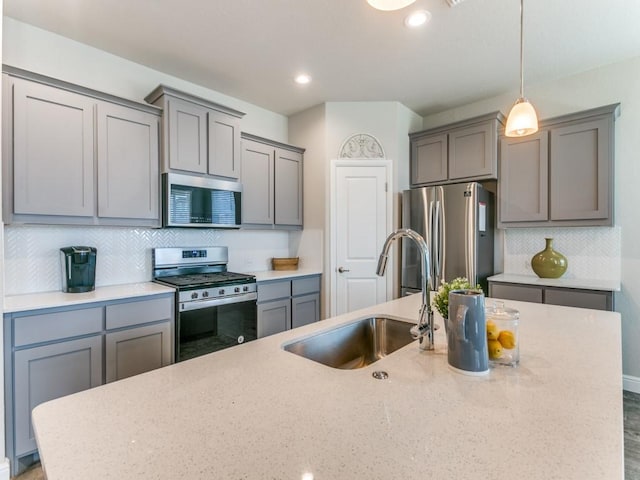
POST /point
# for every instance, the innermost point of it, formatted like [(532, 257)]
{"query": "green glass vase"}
[(548, 263)]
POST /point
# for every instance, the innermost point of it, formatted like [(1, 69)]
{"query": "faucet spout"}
[(423, 330)]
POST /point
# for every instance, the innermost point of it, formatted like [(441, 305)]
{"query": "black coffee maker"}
[(78, 269)]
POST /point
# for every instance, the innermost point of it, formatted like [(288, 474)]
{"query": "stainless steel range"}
[(215, 309)]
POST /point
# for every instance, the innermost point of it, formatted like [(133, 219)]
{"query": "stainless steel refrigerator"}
[(457, 222)]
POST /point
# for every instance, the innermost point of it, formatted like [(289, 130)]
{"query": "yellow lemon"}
[(507, 339), (495, 349), (492, 331)]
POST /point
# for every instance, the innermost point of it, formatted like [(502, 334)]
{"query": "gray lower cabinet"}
[(561, 176), (272, 179), (53, 352), (198, 135), (568, 297), (48, 372), (462, 151), (274, 317), (75, 156), (287, 303)]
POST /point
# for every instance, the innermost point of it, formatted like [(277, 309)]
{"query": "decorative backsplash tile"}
[(592, 252), (32, 257)]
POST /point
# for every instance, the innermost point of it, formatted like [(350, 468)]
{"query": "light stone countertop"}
[(255, 411), (283, 274), (582, 283), (34, 301)]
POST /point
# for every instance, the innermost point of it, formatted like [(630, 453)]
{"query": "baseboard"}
[(5, 471), (631, 384)]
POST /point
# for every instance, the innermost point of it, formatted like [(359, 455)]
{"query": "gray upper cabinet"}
[(76, 156), (53, 140), (199, 136), (524, 170), (461, 151), (561, 176), (429, 160), (224, 145), (272, 180), (128, 167), (288, 187), (187, 134)]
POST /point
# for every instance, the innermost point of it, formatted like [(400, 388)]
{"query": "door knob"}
[(342, 270)]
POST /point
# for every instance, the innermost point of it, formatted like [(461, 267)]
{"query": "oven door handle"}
[(215, 302)]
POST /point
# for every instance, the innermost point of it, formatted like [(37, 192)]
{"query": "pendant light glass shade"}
[(522, 119), (388, 5)]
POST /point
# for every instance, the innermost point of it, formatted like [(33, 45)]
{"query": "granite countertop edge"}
[(580, 283)]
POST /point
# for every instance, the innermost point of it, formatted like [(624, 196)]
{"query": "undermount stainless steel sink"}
[(354, 345)]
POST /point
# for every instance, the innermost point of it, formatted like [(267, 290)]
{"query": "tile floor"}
[(631, 403)]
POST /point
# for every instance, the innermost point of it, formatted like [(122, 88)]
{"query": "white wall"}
[(322, 130), (606, 85), (49, 54)]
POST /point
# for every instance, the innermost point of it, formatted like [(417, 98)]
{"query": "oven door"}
[(210, 325)]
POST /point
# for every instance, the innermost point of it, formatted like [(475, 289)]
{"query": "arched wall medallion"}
[(361, 145)]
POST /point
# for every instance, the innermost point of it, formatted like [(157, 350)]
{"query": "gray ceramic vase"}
[(467, 332)]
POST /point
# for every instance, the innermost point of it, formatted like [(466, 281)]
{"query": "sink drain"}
[(380, 375)]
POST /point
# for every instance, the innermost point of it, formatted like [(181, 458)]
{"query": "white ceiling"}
[(251, 49)]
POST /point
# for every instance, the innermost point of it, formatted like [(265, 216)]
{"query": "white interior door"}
[(361, 221)]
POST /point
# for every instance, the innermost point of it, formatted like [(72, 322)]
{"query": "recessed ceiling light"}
[(390, 4), (417, 18), (302, 79)]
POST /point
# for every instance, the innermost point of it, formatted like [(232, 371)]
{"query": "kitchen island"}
[(256, 411)]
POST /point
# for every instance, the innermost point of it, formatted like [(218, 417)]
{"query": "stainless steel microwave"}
[(192, 201)]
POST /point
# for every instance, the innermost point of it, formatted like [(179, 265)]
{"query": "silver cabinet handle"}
[(342, 270)]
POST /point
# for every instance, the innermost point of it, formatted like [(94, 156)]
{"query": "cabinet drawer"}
[(578, 298), (273, 290), (520, 293), (55, 326), (135, 313), (302, 286)]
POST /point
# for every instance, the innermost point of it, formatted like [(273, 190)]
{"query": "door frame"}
[(364, 163)]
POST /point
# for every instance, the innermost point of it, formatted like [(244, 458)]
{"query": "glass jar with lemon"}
[(502, 334)]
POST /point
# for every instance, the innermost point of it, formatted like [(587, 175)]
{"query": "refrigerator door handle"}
[(436, 245), (442, 235), (470, 229), (430, 243)]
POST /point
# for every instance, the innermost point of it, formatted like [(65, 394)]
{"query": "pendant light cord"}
[(521, 48)]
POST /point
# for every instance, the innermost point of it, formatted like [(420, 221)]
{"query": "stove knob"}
[(236, 290), (245, 289), (205, 294), (221, 292), (194, 295)]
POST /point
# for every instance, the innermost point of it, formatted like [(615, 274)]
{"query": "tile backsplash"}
[(592, 252), (32, 257)]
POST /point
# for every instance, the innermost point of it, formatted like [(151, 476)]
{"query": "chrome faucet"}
[(424, 327)]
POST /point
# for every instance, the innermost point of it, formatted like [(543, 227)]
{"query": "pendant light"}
[(522, 119), (388, 5)]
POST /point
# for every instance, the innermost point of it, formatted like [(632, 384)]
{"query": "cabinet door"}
[(472, 152), (137, 350), (128, 163), (187, 136), (224, 145), (274, 317), (429, 159), (52, 371), (288, 187), (305, 310), (257, 183), (522, 293), (581, 176), (523, 185), (52, 151)]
